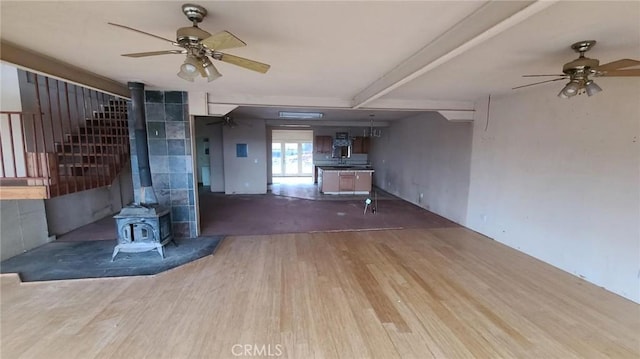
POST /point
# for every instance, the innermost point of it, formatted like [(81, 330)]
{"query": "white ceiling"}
[(367, 54)]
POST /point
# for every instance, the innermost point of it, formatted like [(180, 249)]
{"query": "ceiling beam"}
[(278, 101), (489, 20), (329, 103), (324, 123), (457, 116), (420, 105), (38, 63)]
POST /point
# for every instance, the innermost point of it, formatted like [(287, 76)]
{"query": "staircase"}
[(95, 153)]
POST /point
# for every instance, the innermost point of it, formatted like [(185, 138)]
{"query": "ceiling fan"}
[(579, 70), (199, 46), (225, 121)]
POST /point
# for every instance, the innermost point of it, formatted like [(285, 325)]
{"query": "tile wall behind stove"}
[(170, 158)]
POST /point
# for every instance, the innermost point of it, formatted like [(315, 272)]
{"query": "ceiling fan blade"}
[(154, 53), (543, 75), (242, 62), (222, 40), (538, 83), (619, 64), (632, 72), (145, 33), (229, 122)]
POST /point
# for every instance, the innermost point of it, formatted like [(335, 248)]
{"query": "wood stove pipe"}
[(147, 195)]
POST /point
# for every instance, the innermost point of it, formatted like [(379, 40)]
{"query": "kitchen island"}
[(345, 179)]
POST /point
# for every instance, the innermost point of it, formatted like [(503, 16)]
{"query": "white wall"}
[(245, 175), (428, 155), (216, 156), (11, 134), (22, 226), (68, 212), (9, 88), (560, 180)]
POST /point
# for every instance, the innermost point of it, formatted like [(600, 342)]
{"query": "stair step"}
[(110, 115), (115, 108), (84, 165), (89, 159), (104, 139), (103, 131), (106, 122), (71, 154), (88, 148)]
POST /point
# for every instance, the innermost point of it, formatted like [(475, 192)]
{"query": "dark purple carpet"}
[(269, 214)]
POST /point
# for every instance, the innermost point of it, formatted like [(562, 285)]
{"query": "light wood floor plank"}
[(415, 293)]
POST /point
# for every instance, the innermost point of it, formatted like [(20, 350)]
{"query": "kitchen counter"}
[(345, 179), (346, 168)]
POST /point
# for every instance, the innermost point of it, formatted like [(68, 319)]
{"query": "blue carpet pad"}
[(92, 259)]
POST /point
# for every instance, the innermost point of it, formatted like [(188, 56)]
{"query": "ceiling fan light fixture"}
[(571, 89), (592, 88), (186, 76), (189, 69), (209, 71)]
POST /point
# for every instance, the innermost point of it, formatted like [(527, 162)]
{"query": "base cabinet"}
[(345, 182), (329, 181), (363, 181)]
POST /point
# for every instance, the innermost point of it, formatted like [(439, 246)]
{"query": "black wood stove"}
[(142, 228)]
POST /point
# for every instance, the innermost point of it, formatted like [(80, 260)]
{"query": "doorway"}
[(292, 155)]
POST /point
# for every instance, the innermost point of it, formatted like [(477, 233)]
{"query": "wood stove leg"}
[(115, 253), (160, 250)]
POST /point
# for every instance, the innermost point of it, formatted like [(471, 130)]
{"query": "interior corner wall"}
[(216, 156), (560, 180), (245, 175), (23, 226), (204, 127), (269, 149), (425, 160), (71, 211)]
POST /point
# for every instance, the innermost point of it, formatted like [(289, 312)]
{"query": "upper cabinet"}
[(323, 144), (360, 144)]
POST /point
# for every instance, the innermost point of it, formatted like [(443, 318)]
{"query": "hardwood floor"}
[(382, 294)]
